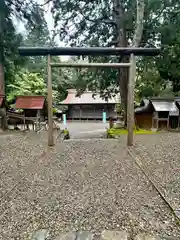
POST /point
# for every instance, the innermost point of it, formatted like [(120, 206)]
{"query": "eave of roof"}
[(30, 102), (86, 98)]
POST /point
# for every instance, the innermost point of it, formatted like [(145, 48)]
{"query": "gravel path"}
[(86, 130), (78, 185)]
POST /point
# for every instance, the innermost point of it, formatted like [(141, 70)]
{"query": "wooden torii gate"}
[(92, 51)]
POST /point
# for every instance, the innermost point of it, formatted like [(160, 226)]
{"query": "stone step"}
[(75, 236), (105, 235), (114, 235)]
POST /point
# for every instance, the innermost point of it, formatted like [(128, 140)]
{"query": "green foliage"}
[(95, 23), (89, 23), (168, 63), (37, 35), (26, 83), (18, 69), (115, 132), (165, 74), (148, 82), (66, 134), (118, 108), (10, 40), (62, 79), (40, 36)]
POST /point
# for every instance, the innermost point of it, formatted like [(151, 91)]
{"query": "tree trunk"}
[(119, 17), (123, 87), (1, 77), (4, 124), (139, 23)]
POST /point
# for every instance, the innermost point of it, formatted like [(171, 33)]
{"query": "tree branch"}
[(47, 2), (97, 21), (139, 23)]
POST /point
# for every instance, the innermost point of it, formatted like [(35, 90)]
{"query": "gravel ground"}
[(160, 154), (77, 185)]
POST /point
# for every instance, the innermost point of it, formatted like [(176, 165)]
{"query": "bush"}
[(54, 111), (116, 132), (66, 134)]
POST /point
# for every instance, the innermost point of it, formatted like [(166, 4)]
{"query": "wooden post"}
[(38, 120), (39, 113), (168, 122), (50, 109), (130, 100), (152, 122), (24, 120)]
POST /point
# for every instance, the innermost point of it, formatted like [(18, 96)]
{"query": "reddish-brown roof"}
[(30, 102), (1, 100)]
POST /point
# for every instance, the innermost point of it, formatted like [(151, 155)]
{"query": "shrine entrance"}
[(94, 51)]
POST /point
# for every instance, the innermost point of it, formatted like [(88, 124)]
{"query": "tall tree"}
[(8, 38), (10, 9), (2, 88), (102, 23), (168, 63), (112, 23), (39, 36)]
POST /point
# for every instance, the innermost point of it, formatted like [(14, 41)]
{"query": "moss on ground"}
[(115, 132)]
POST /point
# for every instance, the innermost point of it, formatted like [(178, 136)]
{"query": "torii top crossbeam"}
[(93, 51)]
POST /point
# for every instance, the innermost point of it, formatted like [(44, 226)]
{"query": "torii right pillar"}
[(130, 100)]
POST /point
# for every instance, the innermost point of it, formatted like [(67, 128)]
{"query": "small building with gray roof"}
[(159, 113)]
